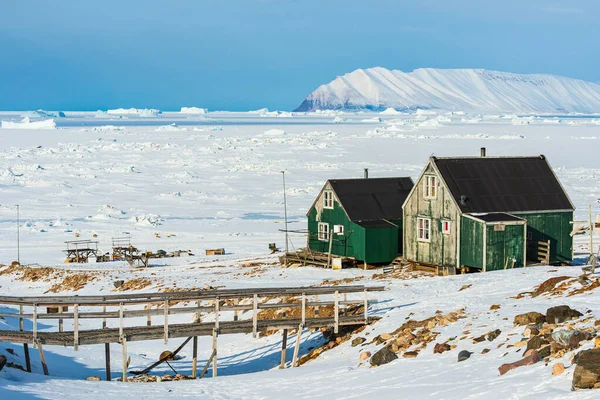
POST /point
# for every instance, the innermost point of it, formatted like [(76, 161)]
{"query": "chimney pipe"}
[(483, 152), (366, 173)]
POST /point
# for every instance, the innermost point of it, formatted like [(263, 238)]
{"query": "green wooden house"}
[(359, 218), (487, 213)]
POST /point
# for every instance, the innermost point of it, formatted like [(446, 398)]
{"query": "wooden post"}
[(166, 322), (195, 358), (148, 317), (297, 346), (303, 309), (214, 344), (124, 358), (217, 313), (107, 358), (60, 321), (104, 319), (345, 304), (255, 315), (25, 345), (42, 357), (336, 312), (235, 312), (76, 327), (365, 265), (34, 325), (366, 307), (283, 349), (120, 319), (330, 247), (317, 307)]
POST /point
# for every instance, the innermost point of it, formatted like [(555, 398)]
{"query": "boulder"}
[(532, 358), (558, 368), (587, 371), (410, 354), (464, 355), (383, 356), (493, 335), (439, 348), (357, 341), (560, 314), (2, 362), (118, 283), (530, 318), (364, 355), (495, 307), (570, 338), (536, 342)]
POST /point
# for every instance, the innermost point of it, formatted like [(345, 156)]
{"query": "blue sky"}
[(248, 54)]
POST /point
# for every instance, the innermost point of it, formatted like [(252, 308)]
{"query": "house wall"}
[(471, 242), (442, 247), (381, 245), (350, 244), (503, 245), (553, 226)]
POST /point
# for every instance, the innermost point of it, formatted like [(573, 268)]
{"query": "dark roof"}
[(376, 224), (372, 199), (496, 217), (503, 184)]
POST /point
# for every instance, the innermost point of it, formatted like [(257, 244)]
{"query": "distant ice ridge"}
[(43, 114), (27, 124), (193, 110), (135, 112), (264, 112), (476, 90)]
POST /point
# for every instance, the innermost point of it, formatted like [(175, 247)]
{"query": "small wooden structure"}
[(215, 252), (122, 249), (120, 307), (80, 251)]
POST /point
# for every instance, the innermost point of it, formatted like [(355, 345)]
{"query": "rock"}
[(530, 331), (536, 342), (522, 343), (158, 379), (495, 307), (530, 359), (118, 283), (364, 356), (587, 371), (385, 336), (383, 356), (357, 341), (597, 342), (545, 352), (2, 362), (431, 324), (463, 355), (493, 335), (166, 355), (479, 339), (410, 354), (92, 378), (558, 368), (529, 318), (560, 314), (485, 351), (439, 348), (463, 287), (570, 338)]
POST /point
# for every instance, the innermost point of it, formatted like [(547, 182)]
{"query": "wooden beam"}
[(208, 362), (195, 357), (75, 327), (124, 358), (336, 312), (297, 346), (255, 315), (42, 357), (107, 359), (283, 349), (214, 346)]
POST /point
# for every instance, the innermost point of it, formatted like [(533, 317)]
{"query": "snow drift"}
[(454, 89), (27, 124), (135, 112)]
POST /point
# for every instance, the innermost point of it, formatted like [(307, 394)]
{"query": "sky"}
[(247, 54)]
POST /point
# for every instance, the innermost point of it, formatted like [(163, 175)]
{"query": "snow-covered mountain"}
[(454, 89)]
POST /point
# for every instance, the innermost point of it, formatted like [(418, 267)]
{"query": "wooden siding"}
[(471, 242), (503, 245), (553, 226), (381, 244), (441, 249)]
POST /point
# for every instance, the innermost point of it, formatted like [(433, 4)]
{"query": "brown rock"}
[(410, 354), (383, 356), (536, 342), (558, 368), (560, 314), (440, 348), (385, 336), (92, 378), (495, 307), (522, 343), (357, 341), (493, 335), (529, 318), (364, 356), (485, 351), (587, 371), (530, 359)]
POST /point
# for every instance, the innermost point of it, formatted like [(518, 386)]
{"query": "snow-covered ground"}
[(198, 181)]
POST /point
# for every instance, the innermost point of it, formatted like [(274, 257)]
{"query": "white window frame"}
[(444, 229), (423, 229), (338, 230), (323, 232), (430, 184), (328, 199)]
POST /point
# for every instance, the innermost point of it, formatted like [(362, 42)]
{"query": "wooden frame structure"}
[(79, 251), (121, 307)]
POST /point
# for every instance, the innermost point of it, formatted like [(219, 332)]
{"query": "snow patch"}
[(27, 124)]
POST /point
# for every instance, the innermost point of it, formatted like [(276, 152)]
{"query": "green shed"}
[(359, 218)]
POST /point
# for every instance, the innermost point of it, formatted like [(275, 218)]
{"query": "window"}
[(328, 199), (430, 186), (446, 227), (324, 231), (498, 227), (423, 229), (338, 229)]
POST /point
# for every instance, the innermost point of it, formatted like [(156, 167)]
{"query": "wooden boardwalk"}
[(303, 302)]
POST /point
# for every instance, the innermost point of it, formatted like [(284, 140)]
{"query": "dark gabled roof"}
[(496, 217), (503, 184), (372, 199)]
